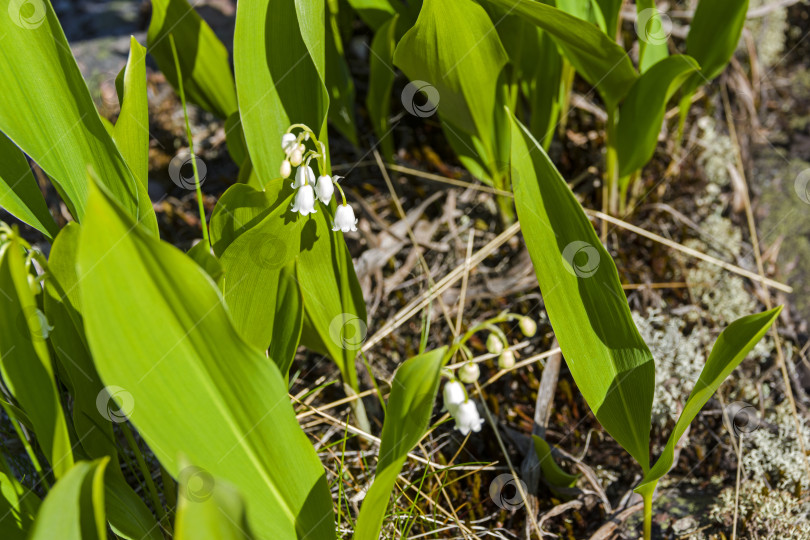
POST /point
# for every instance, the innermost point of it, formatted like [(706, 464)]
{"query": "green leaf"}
[(207, 78), (454, 48), (74, 508), (128, 515), (710, 43), (195, 370), (597, 57), (610, 12), (374, 13), (545, 91), (731, 347), (340, 85), (24, 360), (235, 138), (18, 505), (380, 84), (407, 415), (209, 508), (19, 192), (241, 208), (131, 131), (610, 363), (641, 114), (552, 473), (279, 60), (201, 253), (652, 35), (48, 112)]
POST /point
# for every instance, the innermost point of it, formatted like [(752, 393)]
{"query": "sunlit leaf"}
[(610, 363), (195, 370), (380, 84), (407, 415)]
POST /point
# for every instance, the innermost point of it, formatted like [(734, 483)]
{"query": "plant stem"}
[(611, 165), (648, 515), (147, 475), (190, 143)]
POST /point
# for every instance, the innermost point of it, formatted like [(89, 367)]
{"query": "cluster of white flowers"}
[(310, 189), (461, 407)]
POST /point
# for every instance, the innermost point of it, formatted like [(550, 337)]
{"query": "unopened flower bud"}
[(506, 360), (34, 285), (494, 344), (528, 326), (286, 169), (296, 157), (469, 372)]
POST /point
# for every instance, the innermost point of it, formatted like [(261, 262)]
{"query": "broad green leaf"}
[(195, 370), (131, 131), (641, 114), (48, 112), (652, 35), (235, 137), (598, 58), (74, 508), (201, 253), (241, 208), (610, 363), (209, 508), (207, 78), (126, 512), (19, 192), (24, 360), (332, 297), (340, 85), (18, 505), (714, 34), (545, 94), (380, 84), (374, 13), (407, 415), (731, 348), (552, 473), (610, 13), (454, 48), (279, 60)]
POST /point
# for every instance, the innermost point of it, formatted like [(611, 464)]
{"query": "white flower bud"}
[(296, 157), (344, 219), (304, 200), (494, 344), (324, 189), (286, 169), (467, 417), (528, 326), (469, 372), (506, 360)]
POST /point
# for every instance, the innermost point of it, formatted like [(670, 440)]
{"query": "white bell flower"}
[(469, 372), (344, 219), (454, 395), (286, 169), (324, 189), (467, 417), (304, 200), (304, 175), (289, 142)]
